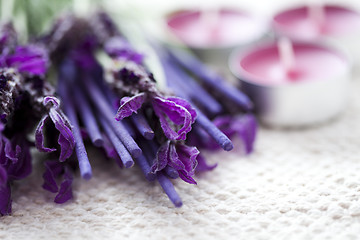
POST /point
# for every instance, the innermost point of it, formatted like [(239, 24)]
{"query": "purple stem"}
[(118, 145), (142, 126), (148, 156), (145, 168), (169, 189), (201, 134), (129, 128), (210, 78), (148, 151), (179, 79), (84, 164), (171, 172), (213, 131), (103, 107), (88, 117)]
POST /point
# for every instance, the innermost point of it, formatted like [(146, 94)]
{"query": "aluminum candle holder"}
[(293, 85)]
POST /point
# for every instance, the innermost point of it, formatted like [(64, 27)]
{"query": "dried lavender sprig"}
[(169, 189), (210, 78), (142, 126), (87, 117), (118, 145), (102, 106)]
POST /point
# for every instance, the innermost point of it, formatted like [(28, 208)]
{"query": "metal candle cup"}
[(213, 34), (310, 91), (334, 24)]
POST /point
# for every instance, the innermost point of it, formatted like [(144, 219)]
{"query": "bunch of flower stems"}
[(106, 95)]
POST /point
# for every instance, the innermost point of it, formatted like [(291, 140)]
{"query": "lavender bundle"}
[(111, 98)]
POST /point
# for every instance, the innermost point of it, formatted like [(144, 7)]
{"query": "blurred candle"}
[(293, 84), (213, 33), (337, 24)]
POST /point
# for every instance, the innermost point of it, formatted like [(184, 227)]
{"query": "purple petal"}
[(5, 200), (66, 148), (36, 66), (53, 170), (39, 136), (169, 110), (186, 177), (129, 106), (3, 150), (65, 191), (32, 59), (185, 104), (202, 165), (22, 167), (187, 156), (10, 152), (66, 139), (223, 123), (247, 128), (161, 157), (120, 48), (3, 176), (174, 160)]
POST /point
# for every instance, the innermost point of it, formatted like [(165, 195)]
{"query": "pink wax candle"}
[(213, 33), (307, 23), (293, 84), (215, 28)]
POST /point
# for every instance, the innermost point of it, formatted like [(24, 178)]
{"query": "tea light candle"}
[(213, 33), (293, 84), (316, 22)]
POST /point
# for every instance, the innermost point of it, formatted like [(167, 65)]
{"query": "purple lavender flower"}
[(15, 164), (177, 111), (118, 47), (178, 156), (66, 139), (55, 170)]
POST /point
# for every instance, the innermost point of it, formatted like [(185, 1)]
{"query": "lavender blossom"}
[(54, 171), (178, 156), (66, 139)]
